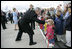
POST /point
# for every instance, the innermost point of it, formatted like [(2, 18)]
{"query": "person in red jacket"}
[(50, 32)]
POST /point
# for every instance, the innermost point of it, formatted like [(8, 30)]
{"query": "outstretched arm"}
[(39, 21)]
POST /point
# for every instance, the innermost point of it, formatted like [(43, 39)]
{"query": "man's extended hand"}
[(46, 21)]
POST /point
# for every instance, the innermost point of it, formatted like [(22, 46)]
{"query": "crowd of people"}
[(56, 28)]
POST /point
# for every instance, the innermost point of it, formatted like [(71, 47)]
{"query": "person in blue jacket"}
[(59, 25)]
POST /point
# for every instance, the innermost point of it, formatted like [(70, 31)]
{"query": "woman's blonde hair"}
[(51, 21)]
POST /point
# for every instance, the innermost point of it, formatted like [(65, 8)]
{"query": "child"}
[(50, 32), (41, 25)]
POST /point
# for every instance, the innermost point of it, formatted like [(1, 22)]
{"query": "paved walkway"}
[(8, 37)]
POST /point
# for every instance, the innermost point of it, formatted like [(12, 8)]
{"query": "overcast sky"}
[(24, 5)]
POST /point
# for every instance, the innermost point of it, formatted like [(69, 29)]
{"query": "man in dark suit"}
[(24, 26), (33, 22)]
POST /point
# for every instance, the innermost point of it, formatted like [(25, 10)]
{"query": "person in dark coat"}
[(10, 16), (33, 22), (68, 29), (59, 25), (24, 26), (3, 20), (5, 17)]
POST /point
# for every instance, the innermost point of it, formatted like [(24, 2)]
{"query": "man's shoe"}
[(18, 39), (33, 43)]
